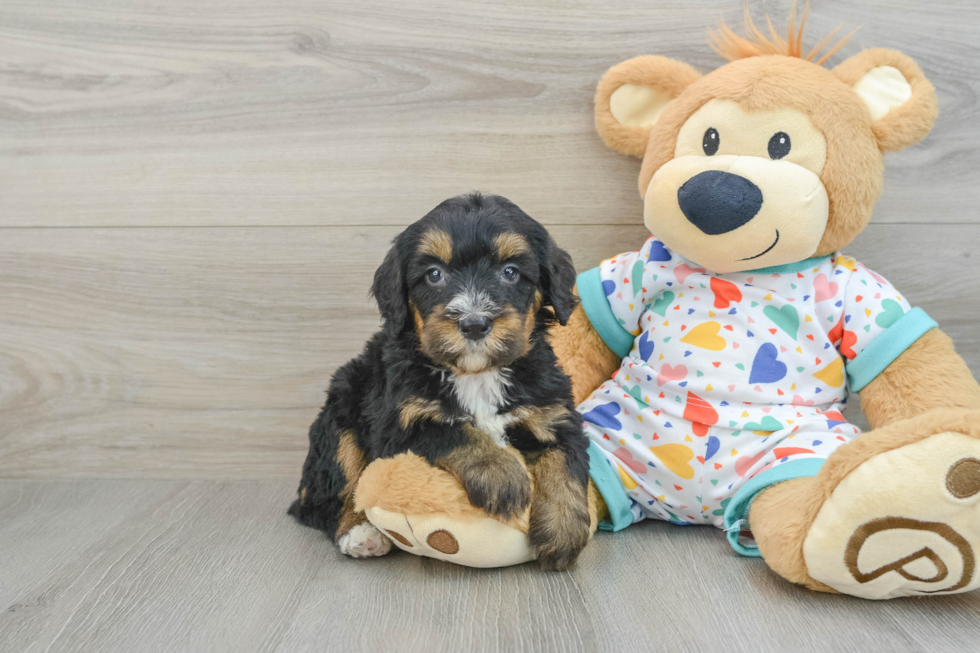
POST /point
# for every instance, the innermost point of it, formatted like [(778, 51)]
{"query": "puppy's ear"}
[(391, 294), (558, 282)]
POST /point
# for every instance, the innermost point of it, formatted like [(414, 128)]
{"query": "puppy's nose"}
[(475, 327), (717, 202)]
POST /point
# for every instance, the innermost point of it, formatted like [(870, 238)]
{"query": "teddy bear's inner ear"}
[(900, 100), (631, 97), (637, 106), (881, 89)]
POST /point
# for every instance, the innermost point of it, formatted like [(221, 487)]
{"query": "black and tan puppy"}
[(461, 370)]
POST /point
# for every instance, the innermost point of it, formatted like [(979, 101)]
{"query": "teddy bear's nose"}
[(717, 202)]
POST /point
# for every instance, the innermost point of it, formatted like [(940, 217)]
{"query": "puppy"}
[(461, 369)]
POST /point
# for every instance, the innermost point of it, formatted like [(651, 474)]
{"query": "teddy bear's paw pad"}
[(904, 523), (470, 542), (396, 527), (364, 541), (443, 541)]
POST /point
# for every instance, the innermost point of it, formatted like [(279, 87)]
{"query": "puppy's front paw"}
[(500, 485), (559, 530), (364, 541)]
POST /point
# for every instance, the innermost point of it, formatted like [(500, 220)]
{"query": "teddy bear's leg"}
[(894, 513), (425, 511)]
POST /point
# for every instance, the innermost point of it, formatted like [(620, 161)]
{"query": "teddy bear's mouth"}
[(766, 251)]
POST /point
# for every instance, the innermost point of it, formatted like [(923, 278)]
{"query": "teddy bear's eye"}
[(711, 142), (779, 145)]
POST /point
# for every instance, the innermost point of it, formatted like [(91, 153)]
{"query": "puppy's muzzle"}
[(475, 327), (474, 313)]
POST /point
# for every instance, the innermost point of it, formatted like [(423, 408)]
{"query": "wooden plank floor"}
[(193, 197), (217, 566)]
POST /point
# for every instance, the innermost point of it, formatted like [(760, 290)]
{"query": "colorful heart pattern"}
[(730, 375)]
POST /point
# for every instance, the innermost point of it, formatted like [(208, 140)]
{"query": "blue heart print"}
[(658, 252), (604, 416), (765, 367), (609, 287), (713, 445), (645, 346)]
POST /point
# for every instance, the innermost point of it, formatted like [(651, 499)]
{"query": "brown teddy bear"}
[(711, 366)]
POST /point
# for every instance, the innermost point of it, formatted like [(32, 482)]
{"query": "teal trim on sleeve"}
[(737, 513), (887, 347), (600, 314), (611, 489)]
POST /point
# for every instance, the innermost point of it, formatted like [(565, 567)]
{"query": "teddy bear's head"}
[(771, 158)]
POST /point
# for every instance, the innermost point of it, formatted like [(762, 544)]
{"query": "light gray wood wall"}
[(193, 196)]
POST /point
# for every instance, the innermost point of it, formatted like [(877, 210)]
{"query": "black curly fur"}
[(367, 395)]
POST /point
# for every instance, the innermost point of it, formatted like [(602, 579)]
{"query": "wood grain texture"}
[(204, 352), (209, 566), (305, 112)]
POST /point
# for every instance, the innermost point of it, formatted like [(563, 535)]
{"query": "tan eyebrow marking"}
[(437, 243), (510, 245)]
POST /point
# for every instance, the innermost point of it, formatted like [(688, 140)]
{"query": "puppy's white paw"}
[(364, 541)]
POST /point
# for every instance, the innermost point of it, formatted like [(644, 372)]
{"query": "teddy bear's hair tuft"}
[(731, 46)]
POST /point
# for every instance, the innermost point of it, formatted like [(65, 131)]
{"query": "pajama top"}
[(726, 378)]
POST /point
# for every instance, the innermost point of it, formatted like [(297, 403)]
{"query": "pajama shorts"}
[(659, 466)]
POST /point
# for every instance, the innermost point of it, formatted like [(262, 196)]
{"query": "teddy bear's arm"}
[(928, 375), (583, 355)]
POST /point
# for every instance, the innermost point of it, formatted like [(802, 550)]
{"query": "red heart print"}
[(725, 292)]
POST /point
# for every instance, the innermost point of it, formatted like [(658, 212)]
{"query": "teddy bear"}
[(712, 365)]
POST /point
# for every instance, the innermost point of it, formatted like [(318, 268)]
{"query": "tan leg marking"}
[(560, 521), (494, 479), (352, 462), (414, 409), (541, 421)]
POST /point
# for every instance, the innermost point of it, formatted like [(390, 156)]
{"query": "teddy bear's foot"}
[(904, 522), (482, 542), (426, 512)]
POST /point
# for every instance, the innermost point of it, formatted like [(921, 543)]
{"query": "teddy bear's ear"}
[(632, 95), (900, 100)]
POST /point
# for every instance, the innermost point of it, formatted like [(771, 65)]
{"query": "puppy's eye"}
[(711, 141), (510, 274), (434, 276), (779, 145)]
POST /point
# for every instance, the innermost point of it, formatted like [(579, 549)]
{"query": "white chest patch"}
[(482, 395)]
